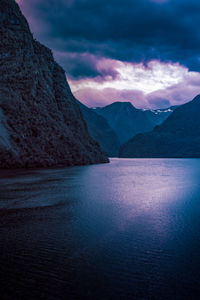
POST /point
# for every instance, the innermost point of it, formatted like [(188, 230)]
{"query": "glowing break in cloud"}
[(154, 76), (156, 84)]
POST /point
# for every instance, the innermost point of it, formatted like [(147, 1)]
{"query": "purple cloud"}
[(100, 42)]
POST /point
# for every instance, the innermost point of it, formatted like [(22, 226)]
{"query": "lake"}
[(125, 230)]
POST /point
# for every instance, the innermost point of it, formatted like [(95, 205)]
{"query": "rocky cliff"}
[(40, 122)]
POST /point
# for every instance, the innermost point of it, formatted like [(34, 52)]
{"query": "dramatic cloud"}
[(88, 36), (155, 84), (148, 78)]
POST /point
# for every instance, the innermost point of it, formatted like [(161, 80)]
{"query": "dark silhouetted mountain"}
[(100, 131), (127, 121), (41, 123), (178, 136)]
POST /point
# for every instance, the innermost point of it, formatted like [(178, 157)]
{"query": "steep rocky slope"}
[(40, 122), (100, 131), (178, 136)]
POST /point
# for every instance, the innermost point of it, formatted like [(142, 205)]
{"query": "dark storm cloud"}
[(129, 30), (84, 65), (80, 65)]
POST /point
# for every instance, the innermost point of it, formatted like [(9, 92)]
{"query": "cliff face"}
[(40, 122), (178, 136)]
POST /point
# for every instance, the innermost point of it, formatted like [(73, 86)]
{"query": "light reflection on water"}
[(124, 230)]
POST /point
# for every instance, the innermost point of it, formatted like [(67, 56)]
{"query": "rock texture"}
[(41, 123), (100, 131), (178, 136)]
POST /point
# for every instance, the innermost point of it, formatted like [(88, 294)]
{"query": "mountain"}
[(178, 136), (127, 121), (40, 122), (158, 116), (100, 131)]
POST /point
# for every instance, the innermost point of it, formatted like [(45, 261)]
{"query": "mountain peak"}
[(125, 119), (197, 98), (177, 136), (121, 104)]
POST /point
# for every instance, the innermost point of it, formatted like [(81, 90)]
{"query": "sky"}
[(143, 51)]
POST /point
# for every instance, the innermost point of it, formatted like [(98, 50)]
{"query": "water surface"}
[(125, 230)]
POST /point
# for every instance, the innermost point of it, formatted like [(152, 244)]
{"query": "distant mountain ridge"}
[(127, 121), (177, 136), (100, 131), (119, 121), (158, 116)]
